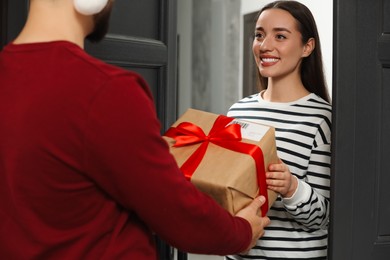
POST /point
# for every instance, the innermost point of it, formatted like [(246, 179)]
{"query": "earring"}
[(89, 7)]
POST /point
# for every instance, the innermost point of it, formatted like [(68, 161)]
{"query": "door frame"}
[(360, 127)]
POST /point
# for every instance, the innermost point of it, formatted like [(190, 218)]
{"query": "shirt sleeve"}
[(127, 157), (310, 203)]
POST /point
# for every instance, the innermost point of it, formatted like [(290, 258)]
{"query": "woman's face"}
[(278, 47)]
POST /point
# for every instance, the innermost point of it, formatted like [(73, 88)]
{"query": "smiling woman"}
[(210, 35), (295, 102)]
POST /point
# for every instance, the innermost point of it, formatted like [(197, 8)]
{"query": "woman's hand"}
[(280, 179)]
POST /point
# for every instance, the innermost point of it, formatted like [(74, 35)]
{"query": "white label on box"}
[(251, 131)]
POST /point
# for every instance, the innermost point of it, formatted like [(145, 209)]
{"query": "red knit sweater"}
[(84, 172)]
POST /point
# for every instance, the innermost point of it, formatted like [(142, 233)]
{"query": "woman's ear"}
[(308, 47)]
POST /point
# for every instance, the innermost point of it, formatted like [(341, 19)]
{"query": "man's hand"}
[(252, 214)]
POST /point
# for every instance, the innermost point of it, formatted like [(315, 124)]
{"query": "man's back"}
[(48, 194), (82, 162)]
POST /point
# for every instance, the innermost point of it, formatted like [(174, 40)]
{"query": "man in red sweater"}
[(84, 172)]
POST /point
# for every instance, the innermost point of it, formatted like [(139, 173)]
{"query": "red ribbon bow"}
[(228, 137)]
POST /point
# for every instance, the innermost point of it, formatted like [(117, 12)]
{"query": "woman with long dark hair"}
[(294, 100)]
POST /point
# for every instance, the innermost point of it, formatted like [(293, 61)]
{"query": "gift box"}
[(224, 157)]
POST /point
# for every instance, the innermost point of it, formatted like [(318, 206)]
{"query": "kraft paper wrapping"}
[(229, 177)]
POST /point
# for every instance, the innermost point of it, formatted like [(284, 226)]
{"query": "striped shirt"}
[(298, 228)]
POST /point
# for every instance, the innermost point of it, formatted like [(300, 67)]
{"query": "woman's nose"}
[(265, 44)]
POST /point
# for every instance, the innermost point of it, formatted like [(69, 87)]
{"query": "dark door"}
[(360, 214), (12, 17), (142, 38)]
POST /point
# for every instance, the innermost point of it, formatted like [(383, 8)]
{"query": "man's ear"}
[(89, 7), (308, 47)]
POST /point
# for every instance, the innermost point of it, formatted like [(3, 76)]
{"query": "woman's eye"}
[(258, 35), (280, 37)]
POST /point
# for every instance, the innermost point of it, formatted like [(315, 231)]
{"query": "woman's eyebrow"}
[(281, 29), (276, 29)]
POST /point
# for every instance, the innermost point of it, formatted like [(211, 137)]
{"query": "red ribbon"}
[(228, 137)]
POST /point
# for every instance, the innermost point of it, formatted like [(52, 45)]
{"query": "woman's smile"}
[(268, 60)]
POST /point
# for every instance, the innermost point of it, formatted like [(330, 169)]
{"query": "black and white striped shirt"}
[(298, 228)]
